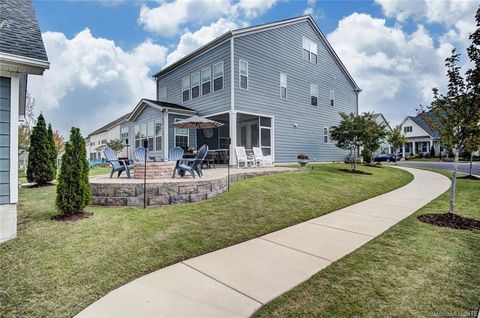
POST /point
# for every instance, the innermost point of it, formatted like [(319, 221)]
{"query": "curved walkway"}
[(237, 280)]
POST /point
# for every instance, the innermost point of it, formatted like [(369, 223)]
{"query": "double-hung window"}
[(150, 133), (218, 76), (326, 134), (283, 85), (137, 135), (186, 88), (195, 79), (243, 72), (310, 52), (332, 97), (158, 136), (407, 129), (181, 136), (314, 94), (206, 80), (124, 133), (162, 94)]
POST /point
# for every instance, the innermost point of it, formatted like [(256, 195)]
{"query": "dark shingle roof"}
[(19, 31), (110, 125), (420, 121), (168, 105)]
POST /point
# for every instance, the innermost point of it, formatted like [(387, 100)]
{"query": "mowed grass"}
[(412, 270), (22, 176), (56, 269)]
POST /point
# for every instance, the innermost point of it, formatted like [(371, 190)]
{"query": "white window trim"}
[(332, 97), (310, 51), (310, 102), (326, 135), (155, 122), (240, 75), (163, 87), (199, 85), (189, 89), (202, 82), (286, 85), (175, 133), (214, 78)]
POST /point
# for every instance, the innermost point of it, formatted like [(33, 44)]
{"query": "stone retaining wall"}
[(163, 193)]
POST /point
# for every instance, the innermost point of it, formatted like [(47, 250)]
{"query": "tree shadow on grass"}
[(356, 172)]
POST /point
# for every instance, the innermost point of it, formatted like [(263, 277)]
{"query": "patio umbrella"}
[(197, 122)]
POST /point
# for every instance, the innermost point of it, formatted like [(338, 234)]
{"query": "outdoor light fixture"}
[(295, 125), (145, 147)]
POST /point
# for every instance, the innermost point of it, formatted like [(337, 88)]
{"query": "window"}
[(243, 72), (283, 85), (124, 134), (136, 130), (162, 94), (186, 88), (407, 129), (158, 136), (103, 142), (309, 50), (217, 76), (326, 134), (150, 133), (223, 132), (266, 135), (314, 94), (195, 85), (181, 136), (206, 80), (332, 97)]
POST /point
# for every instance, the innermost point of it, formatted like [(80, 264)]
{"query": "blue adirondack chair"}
[(117, 165), (194, 165), (139, 154), (175, 153)]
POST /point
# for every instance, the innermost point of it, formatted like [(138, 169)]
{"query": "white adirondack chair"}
[(242, 157), (260, 159)]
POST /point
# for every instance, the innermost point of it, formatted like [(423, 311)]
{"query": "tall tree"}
[(457, 113), (52, 149), (396, 138), (59, 141), (116, 145), (39, 164), (374, 133), (73, 190)]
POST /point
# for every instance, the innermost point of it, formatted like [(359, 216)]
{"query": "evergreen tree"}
[(39, 168), (73, 190), (53, 151)]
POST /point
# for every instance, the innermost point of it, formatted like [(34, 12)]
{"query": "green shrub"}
[(73, 190), (432, 152), (53, 151), (39, 167), (367, 155)]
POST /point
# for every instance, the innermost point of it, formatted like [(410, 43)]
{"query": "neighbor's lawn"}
[(22, 176), (412, 270), (57, 269)]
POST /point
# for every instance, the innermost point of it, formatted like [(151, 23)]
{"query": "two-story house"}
[(420, 136), (278, 86), (385, 147), (97, 140), (22, 53)]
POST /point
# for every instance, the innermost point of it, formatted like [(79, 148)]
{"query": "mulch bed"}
[(469, 177), (72, 217), (39, 185), (451, 220), (355, 172)]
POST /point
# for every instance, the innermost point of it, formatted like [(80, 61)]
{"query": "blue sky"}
[(103, 53)]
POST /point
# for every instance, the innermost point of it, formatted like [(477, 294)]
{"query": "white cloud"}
[(396, 70), (92, 81), (190, 41), (255, 8)]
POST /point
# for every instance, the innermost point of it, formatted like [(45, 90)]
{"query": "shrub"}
[(302, 156), (432, 152), (367, 155), (53, 151), (39, 168), (73, 191)]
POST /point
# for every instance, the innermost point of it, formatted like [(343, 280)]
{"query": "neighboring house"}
[(385, 147), (22, 53), (420, 136), (278, 86), (97, 140)]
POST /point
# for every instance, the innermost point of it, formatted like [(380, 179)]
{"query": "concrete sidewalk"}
[(236, 281)]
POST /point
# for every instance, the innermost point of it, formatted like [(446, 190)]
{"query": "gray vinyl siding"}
[(276, 51), (147, 115), (5, 89), (212, 103), (192, 134)]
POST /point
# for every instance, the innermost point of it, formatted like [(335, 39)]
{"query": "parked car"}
[(387, 157)]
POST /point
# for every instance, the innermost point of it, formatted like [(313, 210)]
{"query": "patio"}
[(125, 191)]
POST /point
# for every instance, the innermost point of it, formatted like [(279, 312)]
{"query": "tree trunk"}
[(454, 182), (471, 163)]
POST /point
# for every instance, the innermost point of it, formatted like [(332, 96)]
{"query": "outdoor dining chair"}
[(192, 165), (117, 165), (260, 159), (242, 157), (139, 154)]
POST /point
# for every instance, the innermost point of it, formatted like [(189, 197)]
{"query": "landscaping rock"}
[(116, 201), (125, 191), (98, 200), (152, 190), (211, 194), (198, 197), (105, 190), (187, 189), (202, 188), (135, 201), (159, 200), (180, 198)]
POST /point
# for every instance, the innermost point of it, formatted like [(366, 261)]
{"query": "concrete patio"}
[(238, 280)]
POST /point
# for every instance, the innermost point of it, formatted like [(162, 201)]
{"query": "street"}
[(462, 167)]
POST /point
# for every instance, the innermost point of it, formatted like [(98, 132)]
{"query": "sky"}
[(103, 53)]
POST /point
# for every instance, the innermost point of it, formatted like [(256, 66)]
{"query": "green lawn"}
[(412, 270), (22, 176), (57, 269)]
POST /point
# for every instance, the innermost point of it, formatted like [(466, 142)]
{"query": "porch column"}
[(413, 148), (233, 136), (403, 151), (165, 135)]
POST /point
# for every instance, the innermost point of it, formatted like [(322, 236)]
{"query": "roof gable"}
[(110, 125), (161, 106)]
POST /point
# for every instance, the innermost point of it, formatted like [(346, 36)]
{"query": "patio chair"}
[(242, 157), (260, 159), (195, 164), (117, 165), (175, 153), (210, 159), (139, 154)]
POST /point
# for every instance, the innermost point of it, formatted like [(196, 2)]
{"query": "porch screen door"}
[(266, 135)]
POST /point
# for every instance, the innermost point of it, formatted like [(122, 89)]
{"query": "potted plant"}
[(302, 159)]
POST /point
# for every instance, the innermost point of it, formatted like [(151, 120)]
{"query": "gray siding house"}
[(21, 53), (279, 86)]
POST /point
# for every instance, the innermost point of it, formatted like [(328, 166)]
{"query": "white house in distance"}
[(420, 136), (97, 140), (385, 146), (22, 53)]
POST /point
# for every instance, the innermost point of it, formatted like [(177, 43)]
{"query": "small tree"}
[(396, 138), (39, 164), (373, 135), (457, 114), (116, 145), (73, 190), (59, 141), (432, 152), (472, 145), (52, 149)]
